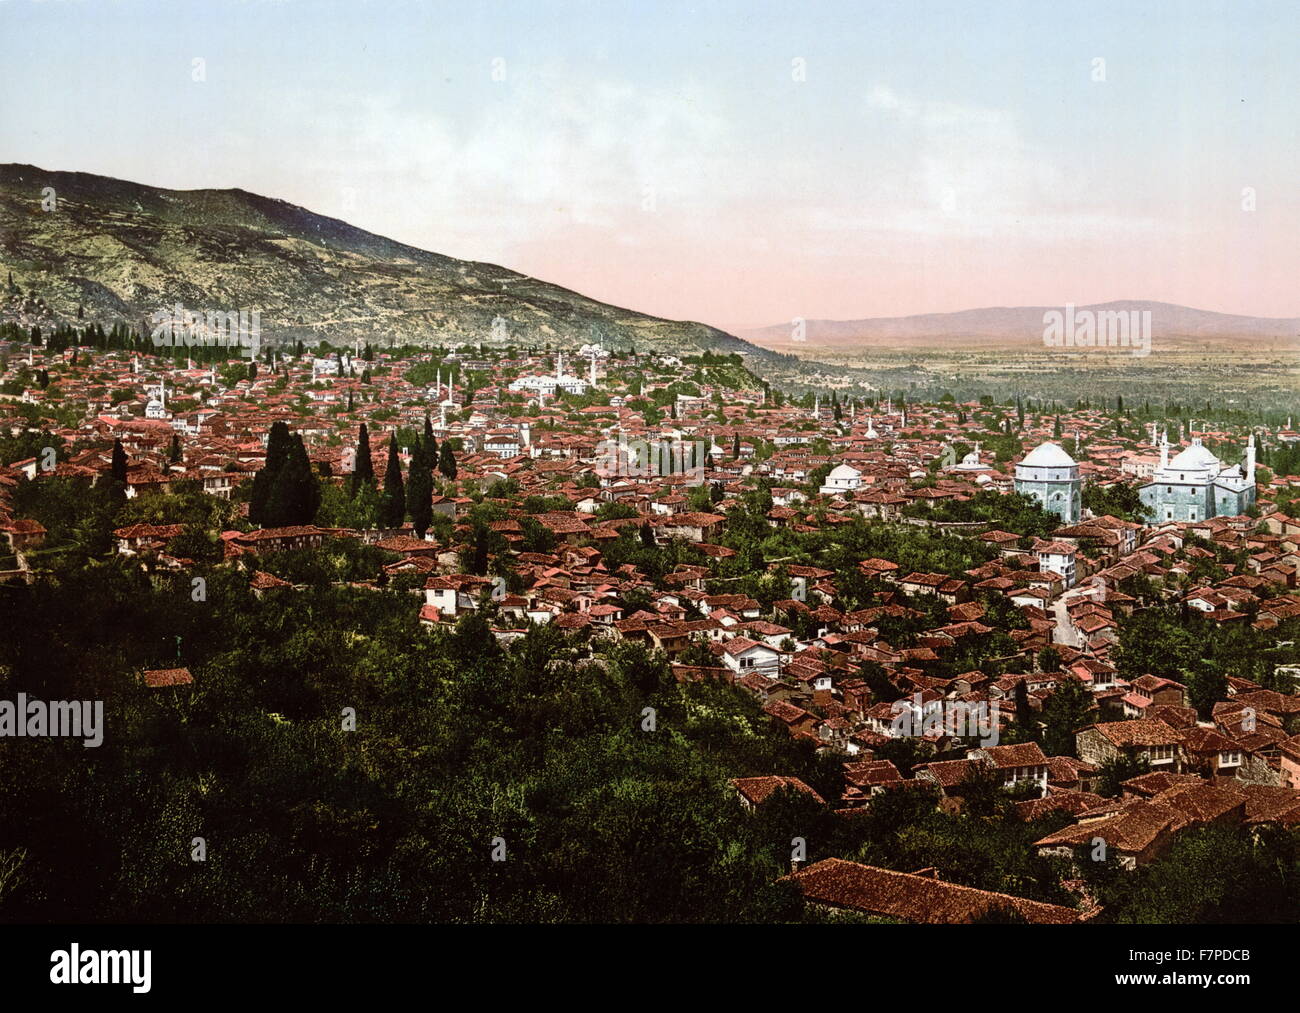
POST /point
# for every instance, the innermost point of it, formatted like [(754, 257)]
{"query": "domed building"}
[(1051, 476), (1196, 485)]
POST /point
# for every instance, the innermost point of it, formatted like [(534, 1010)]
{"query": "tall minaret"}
[(1250, 458), (817, 406), (559, 364), (1164, 449)]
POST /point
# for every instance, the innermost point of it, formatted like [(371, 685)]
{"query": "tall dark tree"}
[(278, 444), (118, 469), (174, 454), (392, 504), (295, 490), (363, 471), (447, 463), (419, 489)]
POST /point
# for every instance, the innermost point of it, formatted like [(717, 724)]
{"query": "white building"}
[(844, 479)]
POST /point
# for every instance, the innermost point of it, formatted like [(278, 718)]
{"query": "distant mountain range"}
[(1016, 325), (122, 251)]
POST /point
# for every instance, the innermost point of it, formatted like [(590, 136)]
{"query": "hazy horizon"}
[(924, 158)]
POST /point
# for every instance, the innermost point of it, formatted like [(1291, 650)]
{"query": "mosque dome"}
[(1048, 455)]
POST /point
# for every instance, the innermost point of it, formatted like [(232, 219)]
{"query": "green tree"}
[(392, 504), (447, 463), (278, 445), (363, 471), (419, 488)]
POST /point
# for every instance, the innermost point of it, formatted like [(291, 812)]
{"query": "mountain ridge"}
[(122, 250), (1022, 324)]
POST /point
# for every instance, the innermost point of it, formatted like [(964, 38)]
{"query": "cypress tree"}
[(119, 463), (392, 505), (419, 490), (295, 492), (447, 462), (363, 471), (277, 453)]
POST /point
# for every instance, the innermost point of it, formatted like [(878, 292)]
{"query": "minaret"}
[(559, 365), (1250, 459), (437, 386), (162, 391), (817, 406), (1164, 449)]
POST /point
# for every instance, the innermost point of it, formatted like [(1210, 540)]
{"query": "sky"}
[(741, 163)]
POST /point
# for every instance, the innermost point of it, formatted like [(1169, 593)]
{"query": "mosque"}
[(1196, 484), (1051, 476)]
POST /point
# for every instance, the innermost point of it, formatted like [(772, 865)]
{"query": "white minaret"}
[(1250, 458), (437, 386), (162, 391), (817, 406), (559, 365), (1164, 449)]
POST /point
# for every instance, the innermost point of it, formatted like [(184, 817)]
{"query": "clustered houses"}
[(804, 657)]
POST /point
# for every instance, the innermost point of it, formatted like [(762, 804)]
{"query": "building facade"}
[(1196, 485), (1051, 476)]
